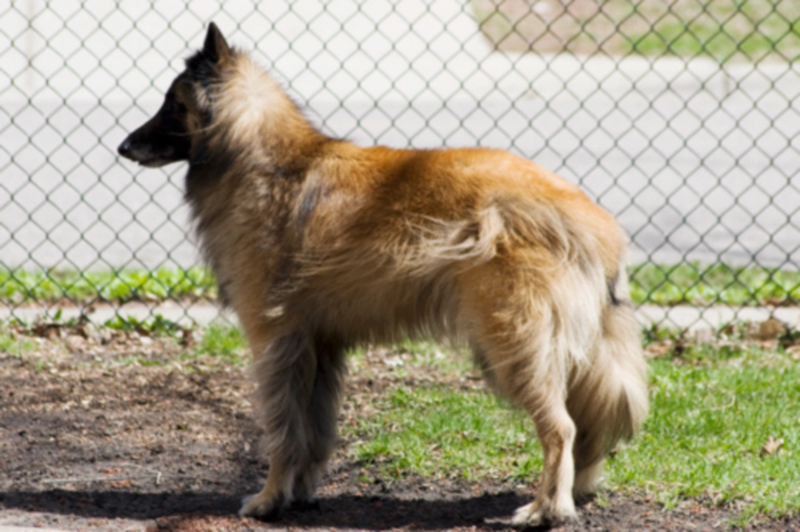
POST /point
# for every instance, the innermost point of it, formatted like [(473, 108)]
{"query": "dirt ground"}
[(116, 433)]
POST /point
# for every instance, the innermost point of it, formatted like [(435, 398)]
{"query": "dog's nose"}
[(124, 148)]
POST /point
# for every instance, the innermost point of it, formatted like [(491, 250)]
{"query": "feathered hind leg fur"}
[(608, 401), (552, 342), (528, 337)]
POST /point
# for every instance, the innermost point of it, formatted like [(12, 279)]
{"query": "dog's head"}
[(168, 136)]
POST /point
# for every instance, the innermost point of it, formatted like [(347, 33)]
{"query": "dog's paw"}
[(533, 515), (262, 506), (528, 516)]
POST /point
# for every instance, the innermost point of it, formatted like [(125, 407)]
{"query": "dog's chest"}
[(243, 234)]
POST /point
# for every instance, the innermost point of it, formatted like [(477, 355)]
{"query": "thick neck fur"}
[(247, 168), (251, 105), (255, 127)]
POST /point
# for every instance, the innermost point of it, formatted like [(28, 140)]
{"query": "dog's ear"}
[(216, 47)]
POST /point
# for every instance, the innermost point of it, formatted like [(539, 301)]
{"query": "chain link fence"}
[(681, 117)]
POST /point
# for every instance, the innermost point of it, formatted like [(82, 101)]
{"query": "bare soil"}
[(118, 432)]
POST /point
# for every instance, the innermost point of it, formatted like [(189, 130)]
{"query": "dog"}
[(319, 245)]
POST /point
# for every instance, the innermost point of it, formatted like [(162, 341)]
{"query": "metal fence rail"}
[(680, 117)]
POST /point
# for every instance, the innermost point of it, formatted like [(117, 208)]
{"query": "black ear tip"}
[(215, 46), (212, 32)]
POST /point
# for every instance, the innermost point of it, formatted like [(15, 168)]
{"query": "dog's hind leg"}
[(556, 431), (518, 334), (608, 401), (544, 398), (542, 393)]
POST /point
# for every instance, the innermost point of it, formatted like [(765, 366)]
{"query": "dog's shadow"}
[(343, 511)]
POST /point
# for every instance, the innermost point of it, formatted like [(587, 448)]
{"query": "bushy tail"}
[(608, 400)]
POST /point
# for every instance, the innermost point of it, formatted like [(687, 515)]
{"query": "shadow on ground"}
[(343, 511)]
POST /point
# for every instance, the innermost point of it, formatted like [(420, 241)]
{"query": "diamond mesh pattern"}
[(680, 117)]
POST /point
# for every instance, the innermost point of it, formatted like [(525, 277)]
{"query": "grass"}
[(217, 342), (155, 325), (713, 410), (743, 30), (699, 284), (438, 431), (659, 284), (749, 30), (20, 285), (15, 344), (711, 416), (225, 342)]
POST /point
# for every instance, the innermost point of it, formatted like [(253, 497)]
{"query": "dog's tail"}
[(608, 399)]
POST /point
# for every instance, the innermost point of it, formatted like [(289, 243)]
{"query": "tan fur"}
[(319, 245)]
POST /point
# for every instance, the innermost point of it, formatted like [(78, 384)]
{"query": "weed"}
[(156, 325), (15, 344), (226, 342)]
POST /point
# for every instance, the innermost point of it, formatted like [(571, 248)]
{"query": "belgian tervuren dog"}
[(319, 245)]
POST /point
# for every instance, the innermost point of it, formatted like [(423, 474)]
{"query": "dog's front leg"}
[(285, 368), (320, 415)]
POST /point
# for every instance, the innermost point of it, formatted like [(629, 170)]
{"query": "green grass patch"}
[(226, 342), (710, 419), (431, 355), (660, 284), (156, 325), (748, 30), (19, 285), (438, 431), (698, 284), (15, 344), (740, 30), (713, 410)]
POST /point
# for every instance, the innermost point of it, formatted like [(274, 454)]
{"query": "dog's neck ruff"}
[(247, 99)]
